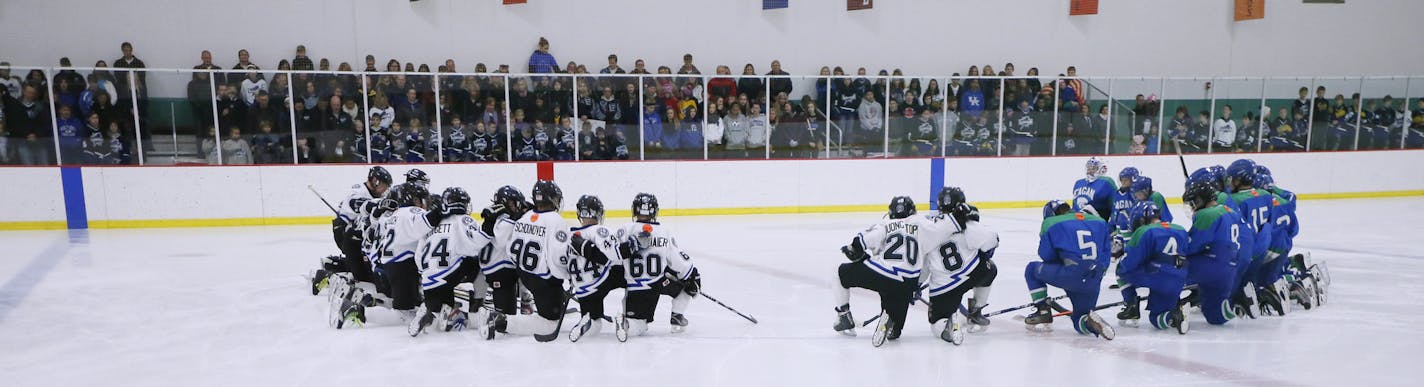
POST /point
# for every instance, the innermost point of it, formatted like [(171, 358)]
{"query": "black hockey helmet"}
[(379, 174), (417, 176), (457, 201), (508, 195), (949, 198), (901, 207), (546, 193), (645, 205), (407, 194), (1198, 194), (589, 207)]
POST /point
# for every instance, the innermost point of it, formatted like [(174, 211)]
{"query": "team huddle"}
[(1235, 260), (409, 251)]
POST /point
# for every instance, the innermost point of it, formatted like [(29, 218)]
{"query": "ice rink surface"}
[(228, 306)]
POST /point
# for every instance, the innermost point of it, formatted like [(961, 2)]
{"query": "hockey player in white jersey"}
[(448, 256), (962, 263), (538, 244), (498, 268), (886, 259), (398, 234), (595, 268), (654, 266), (349, 232)]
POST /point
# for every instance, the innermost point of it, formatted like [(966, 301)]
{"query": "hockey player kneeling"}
[(450, 255), (886, 259), (1074, 249), (595, 267), (1154, 262), (537, 243), (958, 265), (655, 266), (402, 224)]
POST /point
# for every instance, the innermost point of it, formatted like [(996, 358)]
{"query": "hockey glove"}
[(855, 252), (693, 284), (493, 211), (1181, 261)]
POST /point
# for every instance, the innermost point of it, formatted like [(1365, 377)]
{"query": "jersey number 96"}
[(526, 253)]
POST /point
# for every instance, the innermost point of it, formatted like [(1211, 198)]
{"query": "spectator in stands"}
[(1302, 102), (263, 110), (722, 86), (639, 67), (253, 85), (278, 88), (129, 61), (687, 66), (612, 66), (235, 150), (1224, 131), (29, 122), (750, 84), (8, 82), (541, 61), (410, 107), (244, 65), (735, 129), (671, 136), (606, 107), (301, 62), (779, 85)]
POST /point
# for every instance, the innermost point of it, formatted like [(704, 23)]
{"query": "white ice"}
[(228, 306)]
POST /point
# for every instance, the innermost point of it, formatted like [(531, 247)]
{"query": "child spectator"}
[(541, 61), (235, 150)]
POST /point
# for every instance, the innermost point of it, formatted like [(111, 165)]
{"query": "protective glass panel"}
[(799, 128), (1334, 112), (1135, 116), (1094, 124), (174, 108), (1188, 121), (1236, 119), (1413, 138), (1285, 115), (1381, 120)]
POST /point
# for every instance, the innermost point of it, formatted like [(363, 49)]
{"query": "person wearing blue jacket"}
[(1074, 248), (1153, 260), (652, 126), (1212, 249)]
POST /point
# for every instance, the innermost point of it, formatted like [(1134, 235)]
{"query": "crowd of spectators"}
[(244, 115)]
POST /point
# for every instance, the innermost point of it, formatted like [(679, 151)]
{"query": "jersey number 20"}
[(902, 247)]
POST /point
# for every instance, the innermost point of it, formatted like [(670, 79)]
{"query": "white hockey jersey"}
[(660, 255), (898, 248), (456, 241), (537, 243), (399, 233), (349, 210), (964, 252), (585, 274)]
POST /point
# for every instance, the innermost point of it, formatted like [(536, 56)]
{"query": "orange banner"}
[(1250, 9), (1083, 7), (855, 5)]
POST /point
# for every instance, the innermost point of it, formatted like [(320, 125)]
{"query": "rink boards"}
[(196, 196)]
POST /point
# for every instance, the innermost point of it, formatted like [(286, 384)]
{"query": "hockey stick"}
[(559, 326), (1052, 302), (323, 200), (745, 316), (1178, 144)]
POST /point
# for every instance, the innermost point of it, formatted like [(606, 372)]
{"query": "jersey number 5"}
[(1085, 244)]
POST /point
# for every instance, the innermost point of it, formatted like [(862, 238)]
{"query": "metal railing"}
[(557, 116)]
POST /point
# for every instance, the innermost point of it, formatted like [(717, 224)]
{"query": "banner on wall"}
[(856, 5), (774, 4), (507, 2), (1083, 7), (1250, 9)]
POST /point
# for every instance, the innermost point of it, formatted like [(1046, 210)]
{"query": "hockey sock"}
[(841, 294), (981, 297), (679, 303), (530, 324), (1039, 295)]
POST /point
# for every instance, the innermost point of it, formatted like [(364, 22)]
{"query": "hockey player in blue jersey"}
[(1122, 201), (1284, 229), (1073, 247), (1094, 193), (1142, 192), (1255, 207), (1154, 261), (1212, 246)]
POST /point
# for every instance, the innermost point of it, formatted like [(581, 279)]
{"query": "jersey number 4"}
[(526, 253)]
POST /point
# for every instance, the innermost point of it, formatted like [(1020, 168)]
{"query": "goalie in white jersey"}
[(397, 234), (538, 245), (887, 258), (595, 267), (654, 266), (348, 231), (962, 264), (450, 255)]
